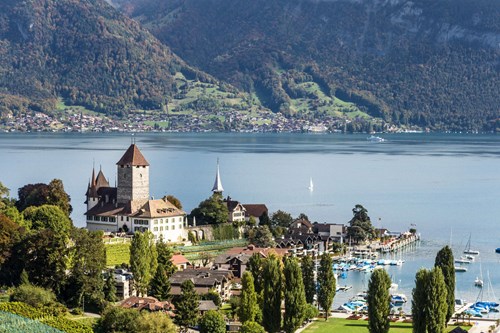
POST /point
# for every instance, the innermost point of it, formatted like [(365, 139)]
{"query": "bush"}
[(33, 295)]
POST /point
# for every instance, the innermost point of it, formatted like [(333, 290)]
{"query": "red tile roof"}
[(133, 157), (179, 259)]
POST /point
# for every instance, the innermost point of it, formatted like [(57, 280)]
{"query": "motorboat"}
[(460, 269), (373, 138), (462, 260)]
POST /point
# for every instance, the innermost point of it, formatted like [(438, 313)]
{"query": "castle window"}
[(166, 228), (180, 226), (173, 227), (161, 228), (155, 229), (155, 222)]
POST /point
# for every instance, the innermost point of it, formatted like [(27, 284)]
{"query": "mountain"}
[(84, 52), (435, 64)]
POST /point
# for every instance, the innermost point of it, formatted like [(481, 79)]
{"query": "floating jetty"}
[(404, 240)]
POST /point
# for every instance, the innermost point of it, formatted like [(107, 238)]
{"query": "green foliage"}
[(174, 201), (4, 191), (43, 194), (192, 237), (281, 219), (295, 297), (17, 217), (248, 299), (311, 312), (109, 288), (48, 216), (155, 322), (445, 261), (9, 235), (33, 296), (251, 327), (118, 320), (360, 226), (272, 281), (379, 301), (160, 285), (327, 284), (255, 266), (308, 278), (46, 316), (212, 322), (88, 261), (165, 252), (213, 296), (143, 260), (429, 304), (187, 306), (261, 236), (211, 211), (225, 231), (117, 254)]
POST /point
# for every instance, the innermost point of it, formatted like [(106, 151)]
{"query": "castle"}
[(128, 206)]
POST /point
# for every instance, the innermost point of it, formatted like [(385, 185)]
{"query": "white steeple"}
[(218, 184)]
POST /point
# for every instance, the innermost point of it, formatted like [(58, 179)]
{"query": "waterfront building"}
[(128, 207)]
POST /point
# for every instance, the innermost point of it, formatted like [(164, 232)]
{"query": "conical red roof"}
[(133, 156)]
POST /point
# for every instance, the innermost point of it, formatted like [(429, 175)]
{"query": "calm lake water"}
[(446, 184)]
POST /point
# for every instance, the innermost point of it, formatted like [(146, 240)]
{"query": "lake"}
[(448, 185)]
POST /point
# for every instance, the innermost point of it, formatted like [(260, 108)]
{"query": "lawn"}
[(355, 326)]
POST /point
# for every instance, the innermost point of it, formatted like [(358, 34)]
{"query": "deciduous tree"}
[(143, 260), (212, 322), (272, 282), (248, 299), (445, 261), (43, 194), (48, 216), (295, 297), (252, 327), (327, 284), (255, 266), (212, 210), (379, 301), (307, 267)]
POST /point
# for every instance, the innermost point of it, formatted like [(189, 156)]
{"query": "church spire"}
[(217, 184)]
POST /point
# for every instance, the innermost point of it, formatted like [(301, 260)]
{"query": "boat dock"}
[(405, 240)]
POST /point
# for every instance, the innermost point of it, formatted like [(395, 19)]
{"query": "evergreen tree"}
[(295, 297), (110, 288), (212, 322), (160, 285), (272, 282), (445, 261), (379, 302), (419, 299), (308, 278), (327, 284), (437, 306), (187, 306), (248, 299), (143, 260)]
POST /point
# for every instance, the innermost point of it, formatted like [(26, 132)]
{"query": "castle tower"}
[(133, 176), (218, 183), (94, 185)]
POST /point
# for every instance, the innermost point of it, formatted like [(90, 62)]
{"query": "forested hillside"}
[(84, 51), (432, 63)]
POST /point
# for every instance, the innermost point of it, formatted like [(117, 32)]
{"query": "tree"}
[(43, 194), (88, 260), (360, 227), (261, 237), (248, 299), (281, 219), (48, 216), (160, 284), (212, 210), (308, 278), (17, 217), (213, 296), (251, 327), (212, 322), (155, 322), (118, 320), (187, 306), (379, 301), (272, 281), (429, 304), (311, 312), (4, 191), (418, 303), (327, 284), (174, 201), (109, 288), (295, 297), (445, 261), (255, 266), (143, 260), (10, 234), (165, 253), (32, 295)]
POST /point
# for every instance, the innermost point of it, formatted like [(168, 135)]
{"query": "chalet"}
[(204, 280), (237, 211), (330, 231)]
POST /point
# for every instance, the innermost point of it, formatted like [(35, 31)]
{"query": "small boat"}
[(373, 138), (398, 299), (478, 282), (497, 250), (460, 269), (468, 250), (469, 257), (311, 185), (462, 260)]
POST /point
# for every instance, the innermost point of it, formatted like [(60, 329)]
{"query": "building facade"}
[(128, 206)]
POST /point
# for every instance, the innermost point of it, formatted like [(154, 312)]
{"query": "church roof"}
[(218, 183), (133, 157)]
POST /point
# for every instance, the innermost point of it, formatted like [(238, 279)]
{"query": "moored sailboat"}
[(468, 250)]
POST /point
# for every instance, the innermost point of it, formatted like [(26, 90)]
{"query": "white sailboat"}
[(311, 185), (468, 250)]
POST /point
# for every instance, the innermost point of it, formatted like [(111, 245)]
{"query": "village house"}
[(204, 280), (180, 262), (128, 206), (257, 211)]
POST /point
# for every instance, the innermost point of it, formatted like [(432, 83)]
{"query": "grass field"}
[(355, 326), (118, 253)]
